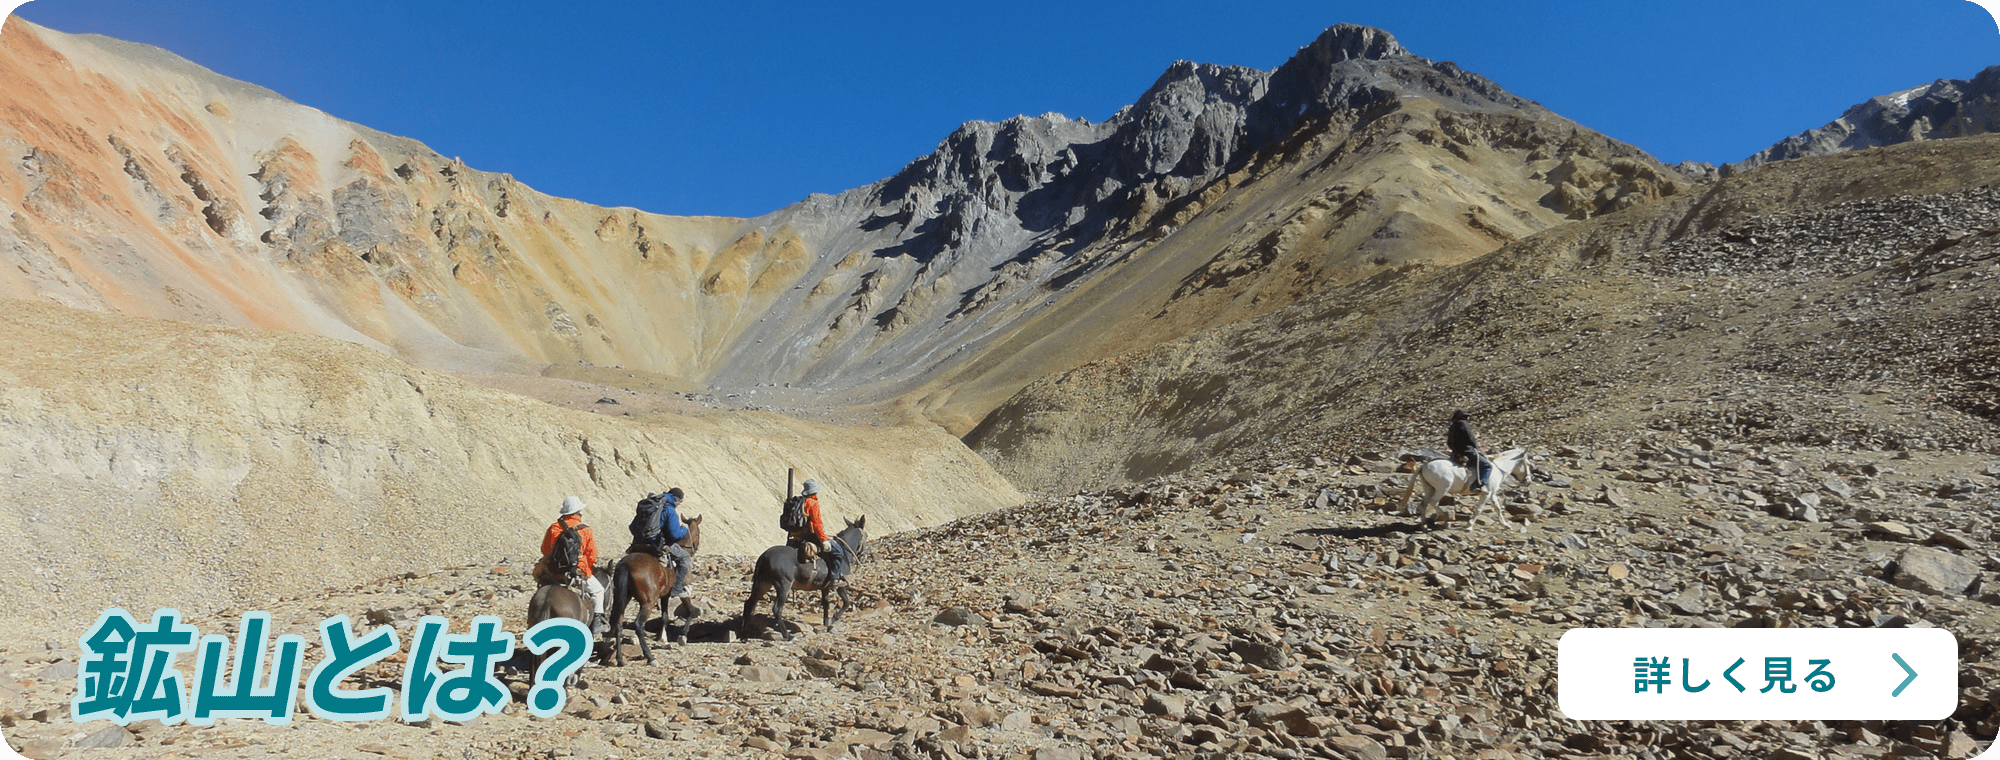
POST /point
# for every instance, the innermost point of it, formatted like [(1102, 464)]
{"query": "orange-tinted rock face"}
[(137, 183)]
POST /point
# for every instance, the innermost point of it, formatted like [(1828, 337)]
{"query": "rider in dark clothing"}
[(1465, 449)]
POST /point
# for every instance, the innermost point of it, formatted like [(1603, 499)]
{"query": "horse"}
[(645, 577), (560, 600), (1441, 476), (778, 569)]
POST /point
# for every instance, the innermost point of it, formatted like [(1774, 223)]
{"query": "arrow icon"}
[(1907, 669)]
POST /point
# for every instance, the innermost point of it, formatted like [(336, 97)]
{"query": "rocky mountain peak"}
[(1942, 109), (1342, 42), (1197, 120)]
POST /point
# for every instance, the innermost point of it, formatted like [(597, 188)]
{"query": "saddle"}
[(572, 579), (808, 551), (820, 572), (546, 577), (647, 547)]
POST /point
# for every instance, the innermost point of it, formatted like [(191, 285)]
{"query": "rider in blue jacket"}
[(672, 530)]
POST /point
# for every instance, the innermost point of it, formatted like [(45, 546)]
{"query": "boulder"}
[(106, 737), (1273, 714), (957, 616), (1891, 530), (1358, 748), (1688, 602), (979, 715), (1260, 654), (1935, 571), (766, 673), (1167, 705)]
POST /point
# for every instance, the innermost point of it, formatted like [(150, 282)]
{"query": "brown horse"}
[(556, 600), (642, 576)]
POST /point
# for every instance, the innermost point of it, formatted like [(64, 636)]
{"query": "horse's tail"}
[(621, 593), (761, 579)]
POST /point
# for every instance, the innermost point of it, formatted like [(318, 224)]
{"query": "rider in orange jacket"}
[(572, 514), (813, 532), (836, 555)]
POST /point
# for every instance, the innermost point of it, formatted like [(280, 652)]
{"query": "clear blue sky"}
[(738, 109)]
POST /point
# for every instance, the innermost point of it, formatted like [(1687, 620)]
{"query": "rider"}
[(572, 507), (812, 534), (1465, 450), (672, 530), (815, 535)]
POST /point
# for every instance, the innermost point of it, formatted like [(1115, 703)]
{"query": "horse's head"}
[(1514, 464), (854, 535), (692, 541)]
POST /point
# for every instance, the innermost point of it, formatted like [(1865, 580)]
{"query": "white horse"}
[(1441, 477)]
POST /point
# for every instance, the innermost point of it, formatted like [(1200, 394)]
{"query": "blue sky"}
[(739, 109)]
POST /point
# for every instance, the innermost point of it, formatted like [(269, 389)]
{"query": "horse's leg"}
[(645, 616), (1499, 512), (845, 602), (1433, 493), (825, 610), (668, 616), (1410, 491), (1522, 472), (693, 608), (661, 605), (780, 592)]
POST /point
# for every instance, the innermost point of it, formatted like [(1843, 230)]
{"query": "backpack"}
[(793, 518), (568, 550), (645, 525)]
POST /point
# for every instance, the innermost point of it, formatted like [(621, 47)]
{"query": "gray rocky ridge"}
[(1942, 109), (1009, 213)]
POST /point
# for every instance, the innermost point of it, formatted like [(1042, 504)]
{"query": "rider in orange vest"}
[(572, 514)]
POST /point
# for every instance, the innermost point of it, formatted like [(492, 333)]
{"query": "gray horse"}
[(778, 569)]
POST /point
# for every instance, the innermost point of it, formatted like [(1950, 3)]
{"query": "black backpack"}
[(645, 525), (794, 516), (567, 551)]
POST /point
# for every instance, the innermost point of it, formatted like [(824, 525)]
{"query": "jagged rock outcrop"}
[(1942, 109), (1014, 250)]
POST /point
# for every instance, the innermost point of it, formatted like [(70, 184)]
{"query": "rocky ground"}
[(1283, 611)]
